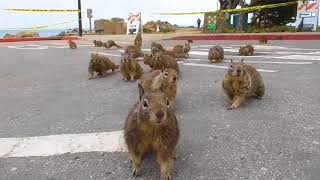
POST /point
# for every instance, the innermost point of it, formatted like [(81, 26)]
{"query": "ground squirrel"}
[(100, 64), (242, 80), (162, 61), (110, 44), (247, 50), (161, 80), (130, 68), (97, 43), (216, 54), (263, 40), (152, 126), (72, 44)]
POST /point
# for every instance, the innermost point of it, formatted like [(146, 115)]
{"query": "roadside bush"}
[(254, 29)]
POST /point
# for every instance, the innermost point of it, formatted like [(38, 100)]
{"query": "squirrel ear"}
[(141, 91)]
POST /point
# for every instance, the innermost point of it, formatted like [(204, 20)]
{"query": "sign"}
[(89, 13), (134, 24), (307, 14)]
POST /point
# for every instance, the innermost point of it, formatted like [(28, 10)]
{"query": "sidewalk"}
[(196, 35)]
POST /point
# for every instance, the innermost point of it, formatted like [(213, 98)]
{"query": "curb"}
[(39, 39), (251, 37)]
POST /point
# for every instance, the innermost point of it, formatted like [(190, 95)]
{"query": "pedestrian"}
[(199, 22)]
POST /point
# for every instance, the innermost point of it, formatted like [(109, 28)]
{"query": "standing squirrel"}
[(110, 44), (161, 80), (72, 44), (130, 68), (247, 50), (97, 43), (152, 126), (100, 64), (138, 41), (216, 54), (241, 81)]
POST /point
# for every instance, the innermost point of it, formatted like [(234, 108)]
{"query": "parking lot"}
[(56, 124)]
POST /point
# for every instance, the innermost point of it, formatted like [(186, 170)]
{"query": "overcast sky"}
[(101, 9)]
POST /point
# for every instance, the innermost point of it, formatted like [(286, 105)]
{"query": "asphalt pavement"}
[(44, 91)]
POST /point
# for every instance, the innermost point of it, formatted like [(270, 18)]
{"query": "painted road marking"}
[(61, 144), (223, 67), (262, 62), (29, 47), (300, 57)]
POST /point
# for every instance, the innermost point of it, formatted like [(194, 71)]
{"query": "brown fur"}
[(263, 40), (138, 41), (72, 44), (100, 64), (152, 126), (148, 60), (130, 68), (247, 50), (178, 51), (162, 61), (159, 80), (110, 44), (136, 52), (216, 54), (241, 81), (156, 47), (97, 43)]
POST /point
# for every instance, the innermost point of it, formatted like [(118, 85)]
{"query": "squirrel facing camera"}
[(241, 81), (72, 44), (130, 68), (152, 126)]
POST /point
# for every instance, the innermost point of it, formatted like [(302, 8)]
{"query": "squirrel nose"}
[(238, 70), (160, 114)]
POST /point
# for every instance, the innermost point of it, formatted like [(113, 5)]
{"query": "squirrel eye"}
[(166, 74), (145, 104)]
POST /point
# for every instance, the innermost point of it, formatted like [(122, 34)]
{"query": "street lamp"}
[(79, 17)]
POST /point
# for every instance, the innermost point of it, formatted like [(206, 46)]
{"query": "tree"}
[(274, 16), (220, 17)]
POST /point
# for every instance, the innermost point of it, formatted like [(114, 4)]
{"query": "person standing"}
[(199, 22)]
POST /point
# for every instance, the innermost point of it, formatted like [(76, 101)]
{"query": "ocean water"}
[(42, 32)]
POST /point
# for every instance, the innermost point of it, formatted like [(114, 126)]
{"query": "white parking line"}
[(223, 67), (262, 62), (61, 144), (300, 57)]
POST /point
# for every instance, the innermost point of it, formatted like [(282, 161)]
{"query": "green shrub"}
[(254, 29), (145, 30), (166, 30)]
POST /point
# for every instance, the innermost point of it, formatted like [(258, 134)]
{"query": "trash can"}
[(212, 26)]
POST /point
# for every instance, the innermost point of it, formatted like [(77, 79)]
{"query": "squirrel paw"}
[(136, 171), (166, 177)]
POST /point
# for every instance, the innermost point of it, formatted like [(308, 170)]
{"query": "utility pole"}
[(80, 19)]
